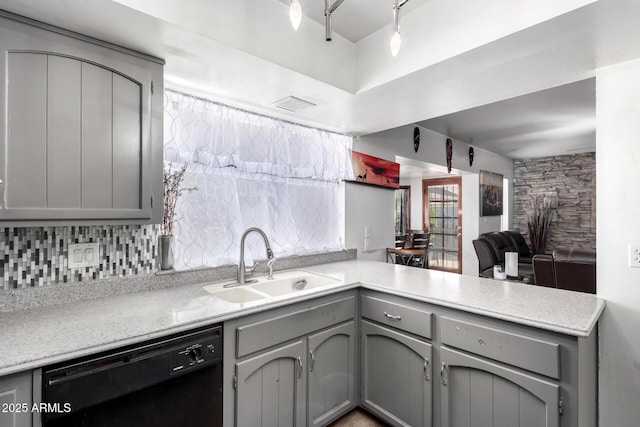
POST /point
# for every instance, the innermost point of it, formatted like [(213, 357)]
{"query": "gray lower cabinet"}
[(409, 362), (80, 128), (484, 372), (477, 392), (271, 388), (396, 375), (332, 377), (16, 400), (292, 366)]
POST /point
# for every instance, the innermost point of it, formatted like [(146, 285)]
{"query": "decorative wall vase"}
[(449, 154), (416, 138), (165, 252), (471, 154)]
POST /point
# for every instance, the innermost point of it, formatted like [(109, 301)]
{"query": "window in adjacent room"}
[(403, 209)]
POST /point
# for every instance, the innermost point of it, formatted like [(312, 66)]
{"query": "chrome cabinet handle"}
[(313, 361), (442, 377), (426, 369), (391, 316), (299, 367)]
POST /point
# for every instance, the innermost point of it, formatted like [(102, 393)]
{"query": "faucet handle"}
[(250, 270)]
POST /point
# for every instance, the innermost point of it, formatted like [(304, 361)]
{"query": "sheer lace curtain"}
[(252, 171)]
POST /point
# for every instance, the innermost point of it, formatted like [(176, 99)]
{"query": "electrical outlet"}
[(83, 255), (634, 255)]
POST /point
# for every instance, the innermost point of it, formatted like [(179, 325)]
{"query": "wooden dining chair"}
[(421, 241), (403, 241)]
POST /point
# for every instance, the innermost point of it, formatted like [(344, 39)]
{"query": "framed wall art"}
[(375, 171), (490, 193)]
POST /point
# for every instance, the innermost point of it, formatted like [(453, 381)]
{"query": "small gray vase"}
[(165, 252)]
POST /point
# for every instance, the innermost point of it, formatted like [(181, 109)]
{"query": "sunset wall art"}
[(373, 170)]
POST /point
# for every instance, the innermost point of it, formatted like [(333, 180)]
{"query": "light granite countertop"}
[(41, 336)]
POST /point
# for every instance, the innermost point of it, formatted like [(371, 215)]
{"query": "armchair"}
[(573, 269)]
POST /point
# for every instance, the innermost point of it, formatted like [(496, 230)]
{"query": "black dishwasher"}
[(172, 381)]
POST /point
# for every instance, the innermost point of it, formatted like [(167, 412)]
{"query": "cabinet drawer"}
[(265, 333), (528, 353), (409, 316)]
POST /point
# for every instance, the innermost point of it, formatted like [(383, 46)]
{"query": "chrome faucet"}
[(270, 258)]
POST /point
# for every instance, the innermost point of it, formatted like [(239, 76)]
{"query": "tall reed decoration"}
[(539, 212), (172, 180)]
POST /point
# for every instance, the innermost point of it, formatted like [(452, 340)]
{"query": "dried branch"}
[(172, 180), (539, 214)]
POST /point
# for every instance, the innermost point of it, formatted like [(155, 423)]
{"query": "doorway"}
[(442, 216), (403, 209)]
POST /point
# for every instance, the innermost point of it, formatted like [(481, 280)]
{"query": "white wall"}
[(470, 222), (367, 205), (618, 214), (416, 205), (432, 150)]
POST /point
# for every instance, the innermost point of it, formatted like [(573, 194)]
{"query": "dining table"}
[(406, 254)]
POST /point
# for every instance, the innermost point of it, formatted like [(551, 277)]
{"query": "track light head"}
[(295, 14)]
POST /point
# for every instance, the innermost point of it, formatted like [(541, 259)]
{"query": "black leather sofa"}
[(491, 247)]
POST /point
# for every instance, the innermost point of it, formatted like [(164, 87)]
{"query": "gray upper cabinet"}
[(80, 130)]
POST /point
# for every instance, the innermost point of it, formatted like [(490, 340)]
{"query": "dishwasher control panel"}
[(194, 354)]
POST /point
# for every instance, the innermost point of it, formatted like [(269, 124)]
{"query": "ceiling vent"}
[(293, 104)]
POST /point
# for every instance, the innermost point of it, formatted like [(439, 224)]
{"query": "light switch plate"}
[(367, 237), (634, 255), (83, 255)]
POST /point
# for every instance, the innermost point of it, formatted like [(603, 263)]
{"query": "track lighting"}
[(328, 10), (395, 43), (295, 14), (396, 38)]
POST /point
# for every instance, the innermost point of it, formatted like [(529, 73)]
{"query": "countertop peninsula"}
[(41, 336)]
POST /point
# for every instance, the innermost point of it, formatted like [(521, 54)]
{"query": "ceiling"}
[(552, 122), (513, 77)]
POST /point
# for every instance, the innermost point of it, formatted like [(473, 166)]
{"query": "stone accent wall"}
[(570, 180)]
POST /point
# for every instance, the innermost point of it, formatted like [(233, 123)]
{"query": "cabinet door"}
[(396, 375), (476, 392), (331, 366), (75, 129), (271, 388), (15, 400)]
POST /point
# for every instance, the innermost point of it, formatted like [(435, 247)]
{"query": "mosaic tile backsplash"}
[(38, 256)]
